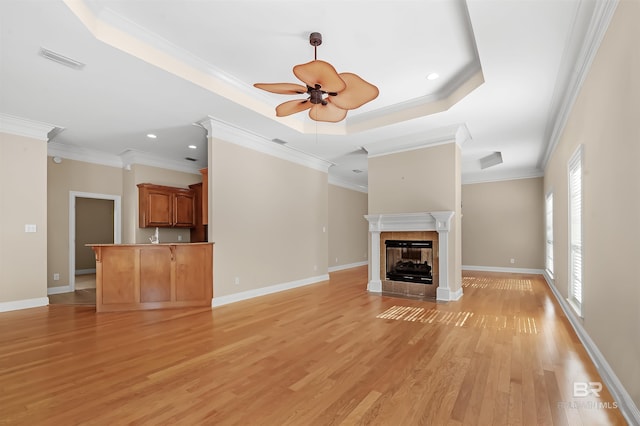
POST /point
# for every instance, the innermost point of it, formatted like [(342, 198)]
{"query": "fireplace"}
[(421, 227), (409, 261)]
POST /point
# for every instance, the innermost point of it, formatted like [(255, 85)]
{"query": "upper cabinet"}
[(165, 206), (205, 196), (199, 230)]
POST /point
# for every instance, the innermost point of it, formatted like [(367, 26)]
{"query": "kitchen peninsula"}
[(153, 276)]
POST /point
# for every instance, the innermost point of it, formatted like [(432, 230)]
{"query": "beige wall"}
[(158, 176), (23, 200), (605, 121), (268, 219), (94, 224), (77, 176), (421, 180), (413, 181), (348, 229), (502, 221)]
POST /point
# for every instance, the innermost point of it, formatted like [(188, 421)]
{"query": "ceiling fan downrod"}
[(315, 39)]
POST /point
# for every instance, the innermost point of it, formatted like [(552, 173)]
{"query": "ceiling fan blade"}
[(328, 112), (282, 88), (322, 73), (357, 93), (291, 107)]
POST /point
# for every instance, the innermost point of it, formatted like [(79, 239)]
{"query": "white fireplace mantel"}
[(424, 221)]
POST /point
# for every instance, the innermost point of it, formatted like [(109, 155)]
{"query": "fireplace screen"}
[(409, 261)]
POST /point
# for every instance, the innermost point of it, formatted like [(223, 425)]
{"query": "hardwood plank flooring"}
[(324, 354), (84, 294)]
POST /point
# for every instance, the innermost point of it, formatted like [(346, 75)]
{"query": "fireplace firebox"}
[(409, 261)]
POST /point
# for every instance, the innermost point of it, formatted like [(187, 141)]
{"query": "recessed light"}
[(356, 171), (151, 136), (193, 147), (433, 76)]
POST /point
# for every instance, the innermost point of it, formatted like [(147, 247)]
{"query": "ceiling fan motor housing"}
[(315, 95)]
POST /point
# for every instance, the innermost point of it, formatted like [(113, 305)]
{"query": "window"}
[(549, 234), (575, 230)]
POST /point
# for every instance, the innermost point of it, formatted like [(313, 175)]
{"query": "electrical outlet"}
[(56, 276), (179, 237), (512, 260), (336, 260), (236, 281)]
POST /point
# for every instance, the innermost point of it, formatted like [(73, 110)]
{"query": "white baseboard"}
[(501, 269), (625, 404), (85, 271), (24, 304), (347, 266), (59, 289), (250, 294), (374, 286), (446, 295)]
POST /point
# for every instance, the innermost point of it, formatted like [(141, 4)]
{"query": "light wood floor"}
[(325, 354), (84, 294)]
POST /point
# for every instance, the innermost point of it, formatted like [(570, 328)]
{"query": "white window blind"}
[(575, 229), (549, 233)]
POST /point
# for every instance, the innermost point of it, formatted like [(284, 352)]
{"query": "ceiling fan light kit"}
[(330, 95)]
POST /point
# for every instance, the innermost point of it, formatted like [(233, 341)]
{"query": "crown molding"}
[(480, 177), (77, 153), (112, 19), (218, 129), (133, 156), (347, 185), (456, 133), (466, 82), (596, 30), (124, 160), (22, 127)]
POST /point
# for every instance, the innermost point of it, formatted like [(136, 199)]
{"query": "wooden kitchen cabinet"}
[(165, 206), (199, 230), (205, 196)]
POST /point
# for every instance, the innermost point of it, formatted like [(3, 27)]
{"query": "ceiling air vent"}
[(491, 160), (279, 141), (63, 60), (190, 159)]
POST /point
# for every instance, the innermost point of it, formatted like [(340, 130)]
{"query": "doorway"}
[(93, 219)]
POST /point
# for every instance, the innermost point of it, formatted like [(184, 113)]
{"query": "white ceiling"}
[(507, 68)]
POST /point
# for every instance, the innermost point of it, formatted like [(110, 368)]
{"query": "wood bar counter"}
[(153, 276)]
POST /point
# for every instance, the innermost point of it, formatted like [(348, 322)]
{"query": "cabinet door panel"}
[(159, 209), (155, 276), (193, 273), (183, 210), (119, 269)]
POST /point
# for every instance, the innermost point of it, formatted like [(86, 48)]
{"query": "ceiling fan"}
[(330, 95)]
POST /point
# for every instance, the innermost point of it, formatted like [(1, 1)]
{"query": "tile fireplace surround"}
[(428, 221)]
